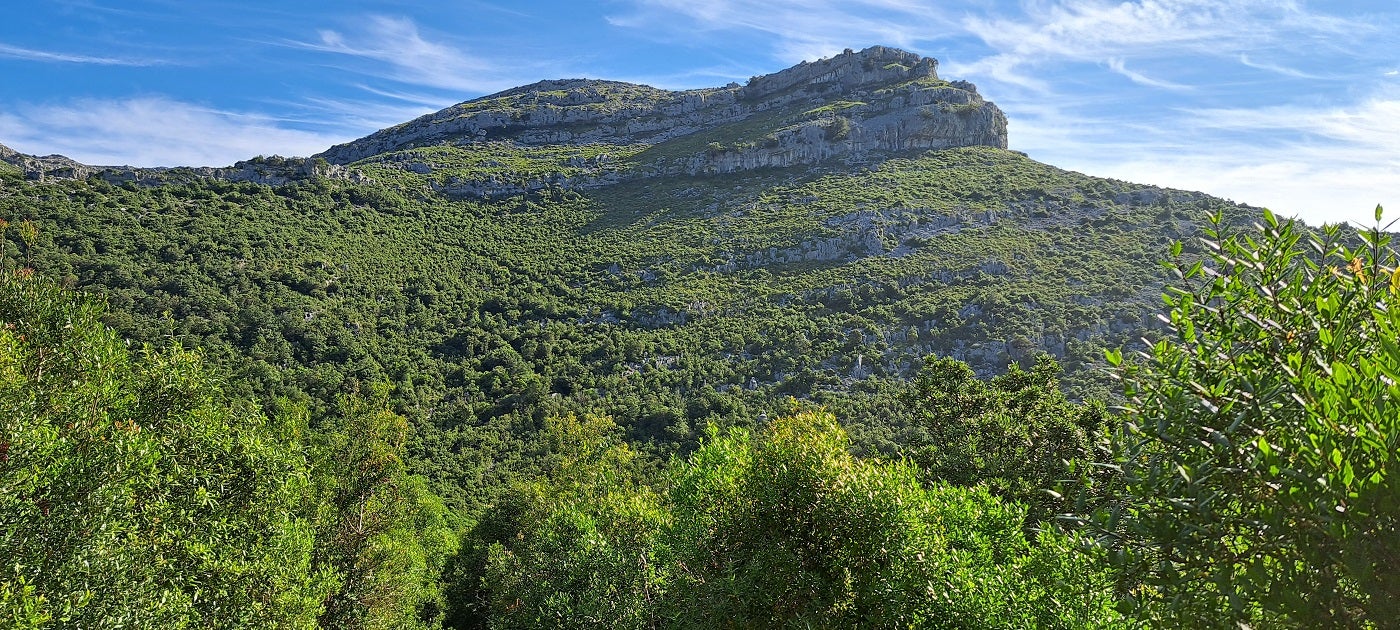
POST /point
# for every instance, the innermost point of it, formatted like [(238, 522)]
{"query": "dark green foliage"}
[(409, 339), (1259, 453), (1015, 433), (666, 303)]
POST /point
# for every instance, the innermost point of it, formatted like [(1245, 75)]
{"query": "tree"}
[(1016, 433), (788, 529), (1259, 448), (781, 529), (133, 492), (578, 547), (381, 532)]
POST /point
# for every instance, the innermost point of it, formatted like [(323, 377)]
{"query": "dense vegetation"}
[(137, 493), (667, 304), (687, 402)]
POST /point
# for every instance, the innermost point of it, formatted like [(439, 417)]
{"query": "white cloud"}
[(1278, 69), (154, 131), (1116, 64), (361, 117), (1099, 31), (1304, 184), (801, 29), (1373, 125), (1322, 164), (399, 52), (31, 54)]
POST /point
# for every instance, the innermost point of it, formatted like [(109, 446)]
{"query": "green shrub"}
[(1259, 450)]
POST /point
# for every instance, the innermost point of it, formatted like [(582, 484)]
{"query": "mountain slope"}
[(696, 267)]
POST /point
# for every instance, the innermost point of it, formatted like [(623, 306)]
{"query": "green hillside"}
[(815, 351), (665, 303)]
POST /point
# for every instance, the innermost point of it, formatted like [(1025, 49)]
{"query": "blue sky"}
[(1294, 105)]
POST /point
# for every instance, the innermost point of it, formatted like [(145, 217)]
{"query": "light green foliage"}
[(382, 532), (1259, 453), (1015, 433), (780, 529), (497, 164), (833, 107), (788, 529), (133, 492), (578, 548)]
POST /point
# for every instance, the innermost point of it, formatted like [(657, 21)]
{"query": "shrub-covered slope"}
[(666, 302)]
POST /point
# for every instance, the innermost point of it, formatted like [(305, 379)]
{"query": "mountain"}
[(672, 259), (852, 108)]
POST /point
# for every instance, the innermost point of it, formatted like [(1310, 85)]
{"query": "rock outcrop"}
[(272, 171)]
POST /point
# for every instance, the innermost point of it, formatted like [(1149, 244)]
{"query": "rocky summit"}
[(854, 108)]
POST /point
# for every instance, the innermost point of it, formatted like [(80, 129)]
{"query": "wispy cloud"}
[(1373, 123), (398, 51), (358, 117), (1279, 69), (1328, 164), (1098, 31), (800, 29), (154, 131), (31, 54), (1116, 64)]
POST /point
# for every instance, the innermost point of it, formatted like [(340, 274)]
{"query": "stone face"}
[(851, 106)]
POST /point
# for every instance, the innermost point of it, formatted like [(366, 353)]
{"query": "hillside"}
[(669, 258), (815, 351)]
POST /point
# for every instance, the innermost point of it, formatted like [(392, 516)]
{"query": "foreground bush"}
[(135, 493), (1259, 454), (132, 492), (785, 529)]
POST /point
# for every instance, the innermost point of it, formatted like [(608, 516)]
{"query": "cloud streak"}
[(30, 54), (1116, 64), (802, 29), (1328, 164), (397, 50)]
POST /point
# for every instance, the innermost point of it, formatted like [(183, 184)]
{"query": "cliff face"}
[(852, 107)]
